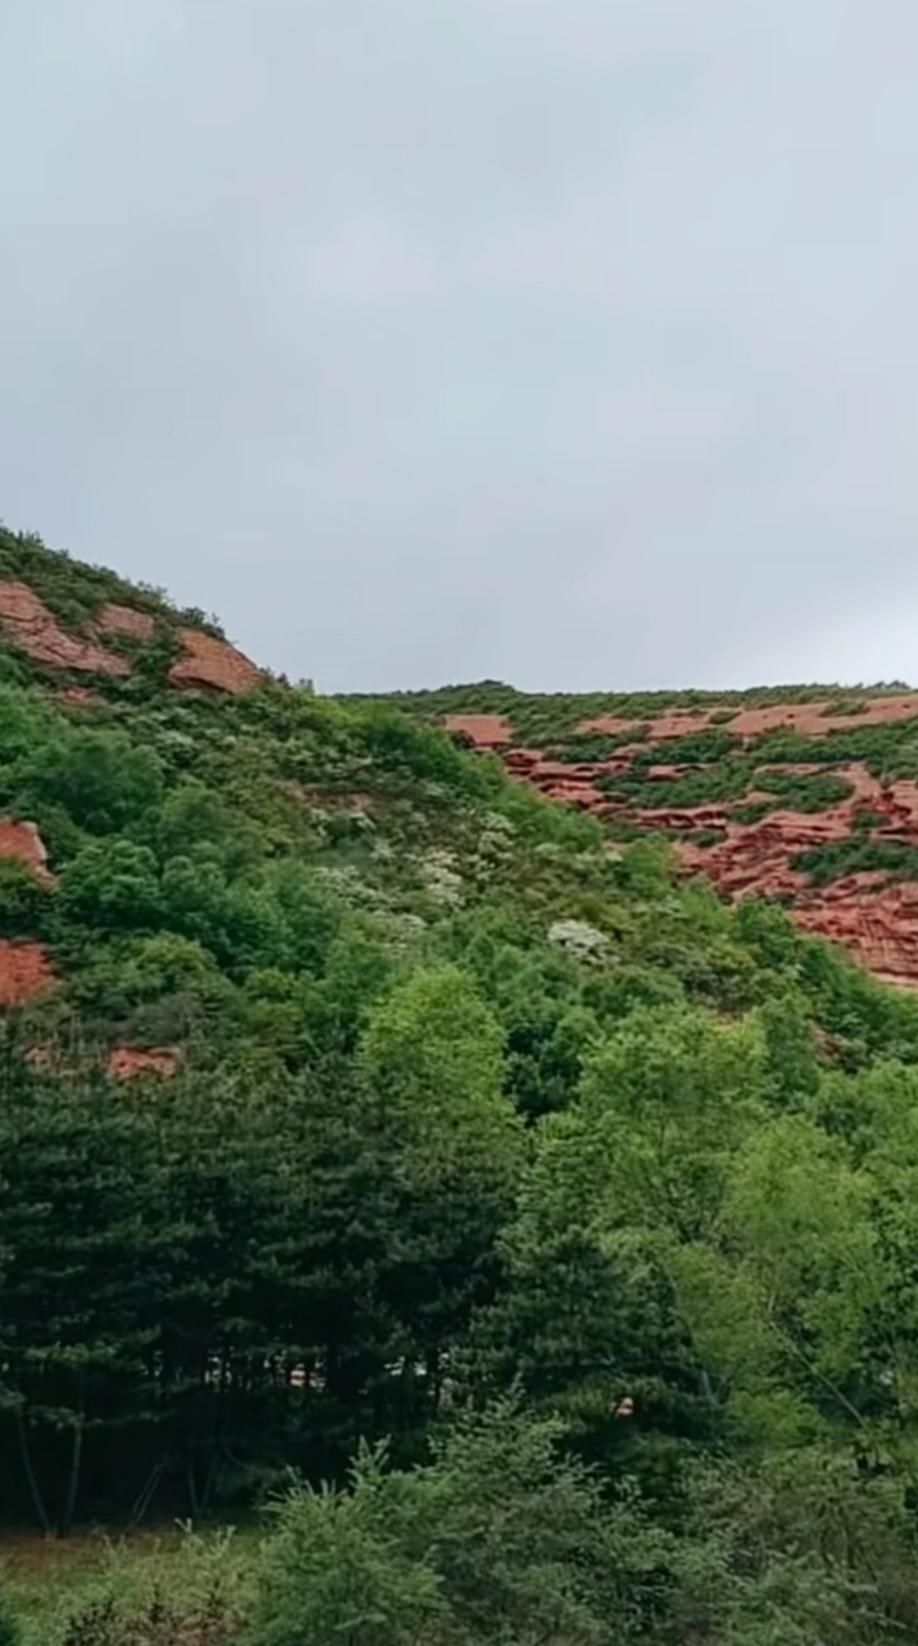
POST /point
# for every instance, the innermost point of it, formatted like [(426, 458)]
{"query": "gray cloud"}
[(567, 341)]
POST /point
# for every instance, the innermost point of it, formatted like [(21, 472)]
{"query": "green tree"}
[(431, 1064), (24, 902), (102, 779), (498, 1538), (676, 1092), (585, 1314), (114, 886), (82, 1229)]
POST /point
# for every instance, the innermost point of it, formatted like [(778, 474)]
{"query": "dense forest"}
[(515, 1241)]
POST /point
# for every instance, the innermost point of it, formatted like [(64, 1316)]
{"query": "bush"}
[(497, 1539), (857, 854), (102, 779), (192, 1596), (24, 902), (113, 886), (10, 1629), (343, 1565)]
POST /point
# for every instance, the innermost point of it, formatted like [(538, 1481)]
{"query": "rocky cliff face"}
[(845, 864), (208, 662), (32, 629), (90, 644)]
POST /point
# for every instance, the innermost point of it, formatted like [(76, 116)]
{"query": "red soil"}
[(25, 972), (126, 1062), (214, 663), (35, 630), (674, 723), (485, 731), (23, 842), (810, 719)]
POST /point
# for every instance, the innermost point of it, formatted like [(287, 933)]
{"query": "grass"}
[(48, 1577)]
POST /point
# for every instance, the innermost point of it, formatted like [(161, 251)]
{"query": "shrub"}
[(24, 902), (497, 1539), (10, 1629)]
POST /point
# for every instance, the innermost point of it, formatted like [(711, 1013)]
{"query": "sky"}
[(572, 343)]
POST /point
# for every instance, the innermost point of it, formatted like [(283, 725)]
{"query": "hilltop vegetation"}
[(372, 1118), (806, 794), (555, 718)]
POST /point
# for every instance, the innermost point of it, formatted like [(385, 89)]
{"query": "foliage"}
[(10, 1630), (830, 862), (497, 1538), (196, 1592), (490, 1157)]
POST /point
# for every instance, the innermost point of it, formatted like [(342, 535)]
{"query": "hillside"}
[(352, 1088), (806, 795)]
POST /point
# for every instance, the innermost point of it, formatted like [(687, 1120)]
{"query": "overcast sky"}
[(570, 342)]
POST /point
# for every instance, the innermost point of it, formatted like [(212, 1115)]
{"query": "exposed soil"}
[(127, 1062), (810, 719), (26, 972), (23, 842), (483, 731)]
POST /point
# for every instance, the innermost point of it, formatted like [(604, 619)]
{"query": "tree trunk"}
[(145, 1496), (38, 1501), (73, 1478)]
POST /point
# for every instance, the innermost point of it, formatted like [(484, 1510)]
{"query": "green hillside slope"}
[(805, 795), (346, 1080)]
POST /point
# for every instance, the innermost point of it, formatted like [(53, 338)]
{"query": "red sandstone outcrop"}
[(814, 720), (877, 924), (207, 661), (127, 1062), (26, 972), (809, 719), (673, 723), (483, 731), (115, 619), (520, 761), (666, 774), (875, 919), (571, 792), (23, 842), (31, 627), (680, 818)]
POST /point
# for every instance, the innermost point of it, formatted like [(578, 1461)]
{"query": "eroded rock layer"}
[(115, 619), (206, 661), (784, 854), (33, 629)]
